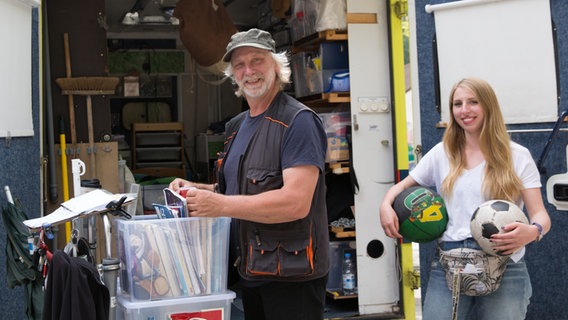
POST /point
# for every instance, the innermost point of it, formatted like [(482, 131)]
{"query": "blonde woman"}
[(475, 162)]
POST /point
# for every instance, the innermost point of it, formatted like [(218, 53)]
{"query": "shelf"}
[(324, 98), (315, 39), (339, 167), (332, 58), (336, 295), (160, 98), (342, 232), (150, 157)]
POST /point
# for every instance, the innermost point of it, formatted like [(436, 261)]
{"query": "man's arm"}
[(289, 203)]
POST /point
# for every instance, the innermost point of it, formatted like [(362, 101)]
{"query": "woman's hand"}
[(515, 236), (389, 220)]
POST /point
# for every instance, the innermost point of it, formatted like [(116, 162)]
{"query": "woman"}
[(476, 162)]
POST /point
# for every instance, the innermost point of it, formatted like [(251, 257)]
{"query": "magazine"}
[(175, 205), (163, 211)]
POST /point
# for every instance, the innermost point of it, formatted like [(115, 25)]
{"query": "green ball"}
[(422, 214)]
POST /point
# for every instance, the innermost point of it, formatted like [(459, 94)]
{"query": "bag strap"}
[(456, 280)]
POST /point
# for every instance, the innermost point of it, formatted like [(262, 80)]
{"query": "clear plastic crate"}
[(173, 258), (217, 306)]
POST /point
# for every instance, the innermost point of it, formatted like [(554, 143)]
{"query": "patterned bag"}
[(472, 272)]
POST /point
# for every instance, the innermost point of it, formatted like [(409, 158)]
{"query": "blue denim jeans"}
[(510, 301)]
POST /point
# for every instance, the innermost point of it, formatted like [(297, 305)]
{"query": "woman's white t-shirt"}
[(467, 194)]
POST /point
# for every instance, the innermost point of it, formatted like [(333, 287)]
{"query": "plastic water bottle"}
[(349, 276)]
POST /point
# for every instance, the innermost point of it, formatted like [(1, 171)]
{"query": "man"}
[(271, 182)]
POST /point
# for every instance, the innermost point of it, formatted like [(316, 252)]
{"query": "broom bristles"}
[(88, 83)]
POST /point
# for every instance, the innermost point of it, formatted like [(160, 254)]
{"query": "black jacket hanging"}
[(74, 290)]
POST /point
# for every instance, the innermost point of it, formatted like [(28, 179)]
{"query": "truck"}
[(524, 57)]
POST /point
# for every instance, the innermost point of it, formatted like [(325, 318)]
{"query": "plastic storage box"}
[(173, 258), (335, 125), (324, 70), (306, 73), (336, 251), (216, 306)]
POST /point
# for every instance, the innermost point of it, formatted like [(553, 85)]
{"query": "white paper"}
[(90, 201), (61, 214), (87, 203)]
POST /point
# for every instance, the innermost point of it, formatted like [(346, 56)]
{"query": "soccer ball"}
[(490, 218), (421, 213)]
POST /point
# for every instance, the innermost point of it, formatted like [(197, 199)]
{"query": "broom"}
[(88, 86)]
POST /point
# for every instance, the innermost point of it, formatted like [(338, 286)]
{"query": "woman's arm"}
[(389, 219)]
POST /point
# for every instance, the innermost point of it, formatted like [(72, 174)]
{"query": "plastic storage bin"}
[(216, 306), (307, 77), (173, 258), (335, 123), (324, 70), (336, 251)]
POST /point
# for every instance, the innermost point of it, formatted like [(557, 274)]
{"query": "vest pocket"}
[(262, 259), (279, 253), (295, 258), (261, 180)]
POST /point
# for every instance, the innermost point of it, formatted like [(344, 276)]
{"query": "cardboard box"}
[(212, 307), (173, 258)]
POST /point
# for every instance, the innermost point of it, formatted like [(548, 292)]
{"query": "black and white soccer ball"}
[(490, 218)]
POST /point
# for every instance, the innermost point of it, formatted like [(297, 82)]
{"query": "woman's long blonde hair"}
[(500, 180)]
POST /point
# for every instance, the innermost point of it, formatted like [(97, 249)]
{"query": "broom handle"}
[(70, 101), (67, 55), (91, 136)]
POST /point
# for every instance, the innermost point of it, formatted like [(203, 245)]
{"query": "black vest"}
[(291, 251)]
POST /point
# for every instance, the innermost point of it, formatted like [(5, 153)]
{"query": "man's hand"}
[(180, 183)]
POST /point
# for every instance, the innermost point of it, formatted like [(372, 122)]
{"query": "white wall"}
[(15, 68)]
